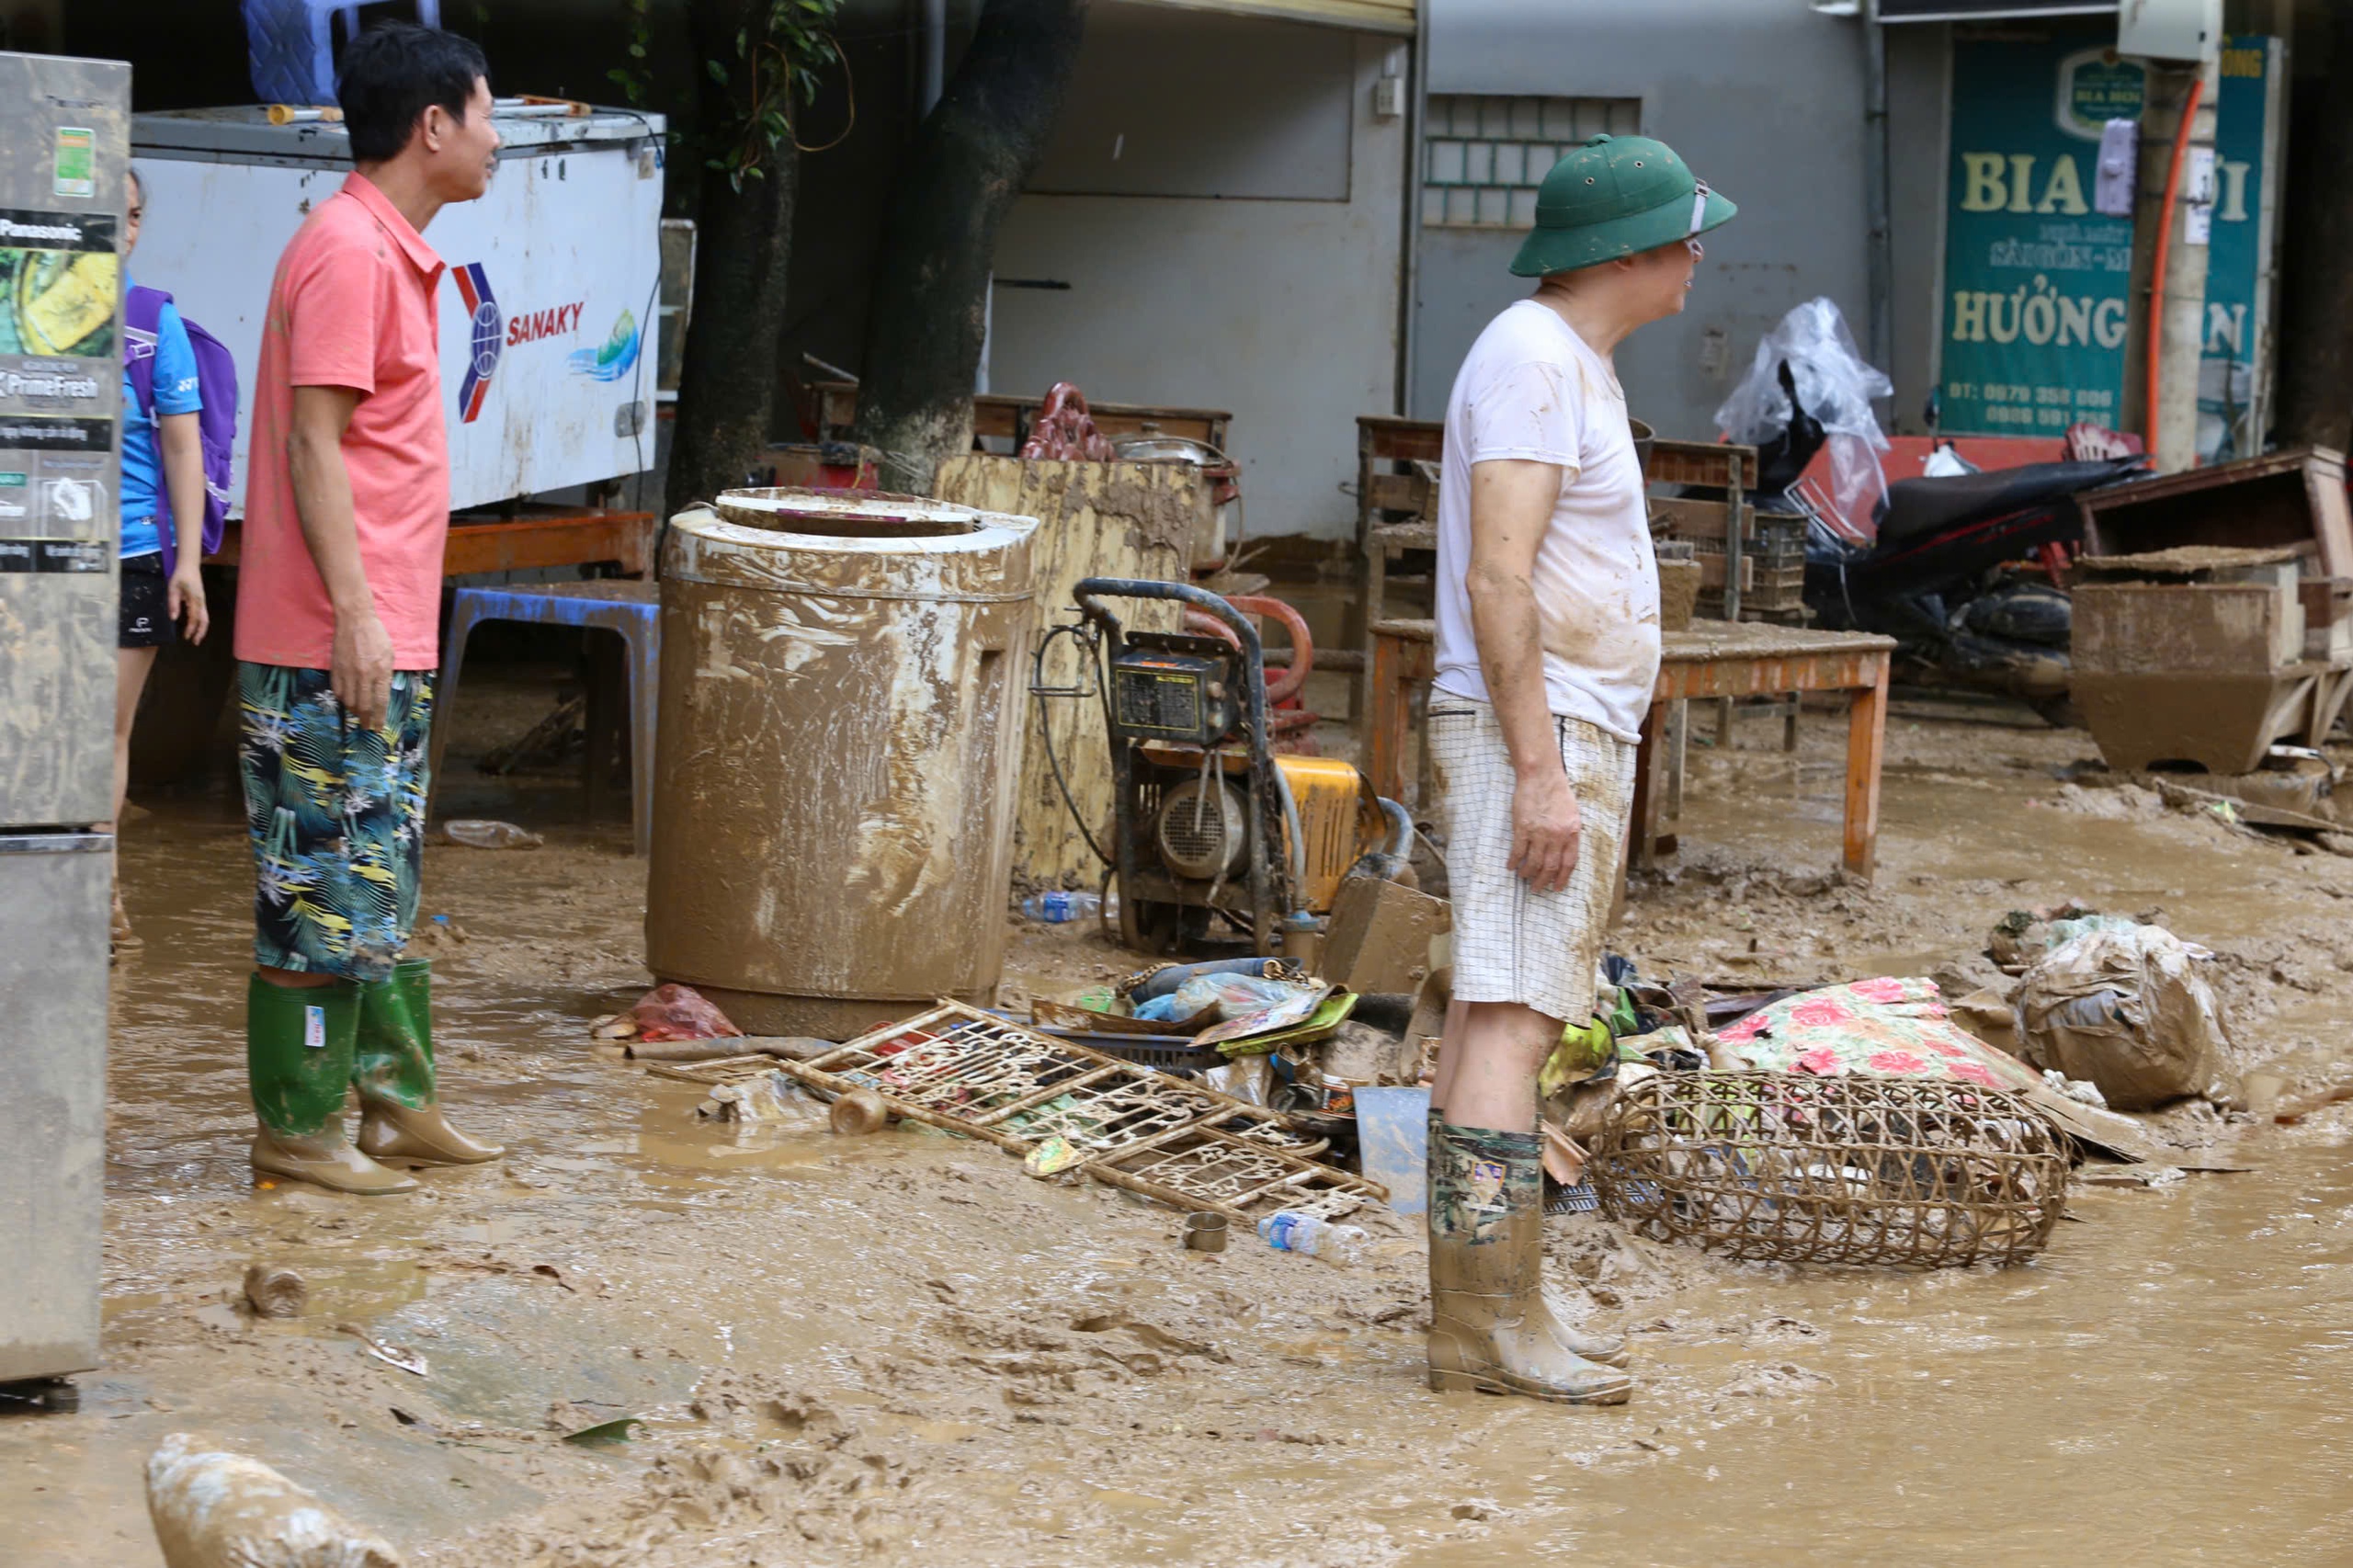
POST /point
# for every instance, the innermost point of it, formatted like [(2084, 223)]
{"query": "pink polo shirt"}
[(352, 305)]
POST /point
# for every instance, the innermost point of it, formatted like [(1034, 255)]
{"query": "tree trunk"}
[(2315, 333), (971, 158), (743, 241)]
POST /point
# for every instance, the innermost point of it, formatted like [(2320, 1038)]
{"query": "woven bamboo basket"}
[(1793, 1168)]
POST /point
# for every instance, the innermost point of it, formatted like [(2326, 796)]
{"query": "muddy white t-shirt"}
[(1530, 388)]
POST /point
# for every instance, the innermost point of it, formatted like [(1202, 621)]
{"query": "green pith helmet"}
[(1616, 195)]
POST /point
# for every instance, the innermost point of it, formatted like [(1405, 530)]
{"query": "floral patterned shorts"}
[(336, 814)]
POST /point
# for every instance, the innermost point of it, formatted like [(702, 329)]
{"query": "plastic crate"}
[(1776, 542)]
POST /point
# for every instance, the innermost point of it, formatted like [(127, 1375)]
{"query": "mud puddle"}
[(900, 1348)]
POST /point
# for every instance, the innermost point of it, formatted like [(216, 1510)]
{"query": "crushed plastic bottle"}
[(1291, 1230), (1057, 907), (477, 834)]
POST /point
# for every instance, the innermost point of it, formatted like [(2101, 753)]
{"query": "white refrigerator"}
[(547, 313), (64, 144)]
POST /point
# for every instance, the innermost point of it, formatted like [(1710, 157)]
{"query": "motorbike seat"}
[(1920, 506)]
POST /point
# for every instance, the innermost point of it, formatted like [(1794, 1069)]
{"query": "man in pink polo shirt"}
[(338, 602)]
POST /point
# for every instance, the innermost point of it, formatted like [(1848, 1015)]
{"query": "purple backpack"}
[(216, 380)]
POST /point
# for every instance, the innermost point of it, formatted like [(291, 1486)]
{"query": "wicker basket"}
[(1920, 1172)]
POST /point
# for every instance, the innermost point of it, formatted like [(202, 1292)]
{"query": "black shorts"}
[(146, 621)]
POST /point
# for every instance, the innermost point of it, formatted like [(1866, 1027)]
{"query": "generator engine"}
[(1216, 841)]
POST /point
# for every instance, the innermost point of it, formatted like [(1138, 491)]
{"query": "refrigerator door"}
[(65, 154), (55, 891)]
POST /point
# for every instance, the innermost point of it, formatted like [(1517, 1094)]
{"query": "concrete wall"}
[(1227, 212), (1764, 98)]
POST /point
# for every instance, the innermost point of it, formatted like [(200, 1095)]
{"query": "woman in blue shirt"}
[(161, 448)]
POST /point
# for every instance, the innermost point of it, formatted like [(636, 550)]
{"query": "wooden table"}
[(1713, 659)]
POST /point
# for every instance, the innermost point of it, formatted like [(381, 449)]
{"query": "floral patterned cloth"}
[(1885, 1028)]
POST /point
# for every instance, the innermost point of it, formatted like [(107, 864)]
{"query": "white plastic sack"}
[(1836, 386), (2127, 1010)]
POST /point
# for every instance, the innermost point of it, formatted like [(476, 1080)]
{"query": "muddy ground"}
[(901, 1348)]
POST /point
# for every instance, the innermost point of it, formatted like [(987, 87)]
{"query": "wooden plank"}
[(2332, 516), (1406, 536), (1688, 516), (587, 538), (1866, 740), (1398, 493), (1383, 436), (1701, 462), (1094, 520), (623, 537), (1642, 852), (1722, 640), (1400, 661), (1395, 16), (1768, 675), (1007, 417), (1711, 572)]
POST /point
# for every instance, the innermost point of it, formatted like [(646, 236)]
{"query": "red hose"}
[(1281, 685), (1303, 643), (2164, 245)]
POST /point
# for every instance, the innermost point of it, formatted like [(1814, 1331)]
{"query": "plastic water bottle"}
[(1291, 1230), (1057, 907), (476, 834)]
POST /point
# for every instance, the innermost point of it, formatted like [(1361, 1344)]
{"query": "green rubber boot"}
[(1490, 1327), (401, 1121), (297, 1063)]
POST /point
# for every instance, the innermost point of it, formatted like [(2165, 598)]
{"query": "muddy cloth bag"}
[(2127, 1010)]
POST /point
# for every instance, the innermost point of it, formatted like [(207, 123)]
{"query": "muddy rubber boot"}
[(297, 1063), (1490, 1329), (401, 1121), (1608, 1349)]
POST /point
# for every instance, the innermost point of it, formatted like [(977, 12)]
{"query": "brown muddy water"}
[(899, 1348)]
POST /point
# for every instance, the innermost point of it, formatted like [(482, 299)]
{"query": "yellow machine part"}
[(1339, 817)]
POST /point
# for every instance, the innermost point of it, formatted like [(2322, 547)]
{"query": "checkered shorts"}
[(1511, 944)]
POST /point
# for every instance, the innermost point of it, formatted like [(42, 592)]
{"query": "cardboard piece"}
[(1379, 939)]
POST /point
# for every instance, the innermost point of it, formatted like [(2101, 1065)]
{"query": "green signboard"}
[(2234, 391), (2037, 289)]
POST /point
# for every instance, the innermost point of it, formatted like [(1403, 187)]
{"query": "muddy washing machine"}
[(1216, 841)]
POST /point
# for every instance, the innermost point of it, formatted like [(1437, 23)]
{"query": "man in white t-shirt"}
[(1547, 649)]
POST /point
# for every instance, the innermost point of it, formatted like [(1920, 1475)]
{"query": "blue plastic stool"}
[(628, 607), (289, 45)]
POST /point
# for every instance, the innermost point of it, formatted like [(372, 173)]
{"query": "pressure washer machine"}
[(1216, 840)]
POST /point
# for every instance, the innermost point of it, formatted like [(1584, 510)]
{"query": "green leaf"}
[(718, 72), (637, 51), (605, 1432)]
